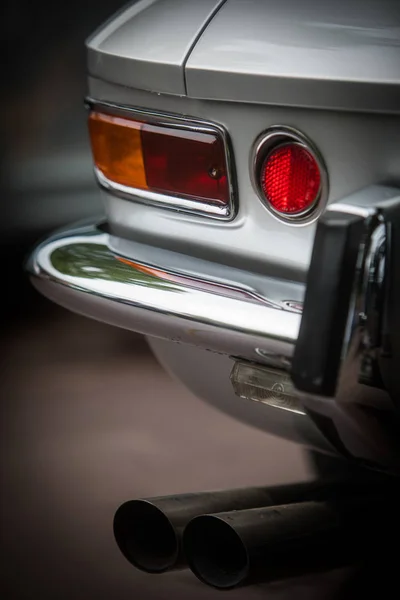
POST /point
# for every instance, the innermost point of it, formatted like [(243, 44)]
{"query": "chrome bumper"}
[(334, 352), (78, 269)]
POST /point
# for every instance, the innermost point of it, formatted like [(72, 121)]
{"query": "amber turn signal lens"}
[(168, 160), (117, 149)]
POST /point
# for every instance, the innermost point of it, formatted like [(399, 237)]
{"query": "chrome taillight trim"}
[(155, 199), (211, 210), (267, 142)]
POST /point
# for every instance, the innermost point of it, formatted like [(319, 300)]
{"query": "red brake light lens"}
[(187, 163), (290, 179)]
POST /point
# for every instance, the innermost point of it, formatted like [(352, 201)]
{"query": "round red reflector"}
[(290, 179)]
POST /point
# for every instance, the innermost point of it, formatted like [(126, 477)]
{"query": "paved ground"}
[(90, 420)]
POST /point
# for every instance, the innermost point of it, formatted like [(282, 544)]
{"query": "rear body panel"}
[(359, 150), (248, 65)]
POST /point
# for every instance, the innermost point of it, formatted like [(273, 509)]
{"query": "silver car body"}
[(328, 70)]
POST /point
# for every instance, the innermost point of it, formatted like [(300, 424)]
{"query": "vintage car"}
[(248, 156)]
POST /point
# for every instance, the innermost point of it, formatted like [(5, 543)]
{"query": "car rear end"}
[(223, 133)]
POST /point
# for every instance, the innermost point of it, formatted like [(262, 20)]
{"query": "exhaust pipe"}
[(230, 549), (149, 531)]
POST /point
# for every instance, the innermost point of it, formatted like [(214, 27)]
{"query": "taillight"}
[(164, 163), (290, 176)]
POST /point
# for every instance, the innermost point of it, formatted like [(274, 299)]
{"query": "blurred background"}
[(88, 418), (46, 176)]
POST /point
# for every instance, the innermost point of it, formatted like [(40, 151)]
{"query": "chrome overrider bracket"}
[(346, 362), (344, 373), (350, 328)]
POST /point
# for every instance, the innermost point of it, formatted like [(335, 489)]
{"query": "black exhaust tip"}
[(215, 552), (241, 547), (145, 536), (149, 531)]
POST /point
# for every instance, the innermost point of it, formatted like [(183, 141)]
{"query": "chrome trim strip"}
[(216, 287), (77, 269), (359, 211), (268, 141), (211, 209), (147, 197), (364, 203)]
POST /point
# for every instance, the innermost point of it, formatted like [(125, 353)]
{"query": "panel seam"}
[(197, 37)]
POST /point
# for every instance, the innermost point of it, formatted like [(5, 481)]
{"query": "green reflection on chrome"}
[(95, 261)]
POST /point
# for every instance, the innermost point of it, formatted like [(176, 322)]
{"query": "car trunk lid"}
[(336, 55)]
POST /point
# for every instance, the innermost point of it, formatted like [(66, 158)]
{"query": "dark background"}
[(88, 418), (46, 177)]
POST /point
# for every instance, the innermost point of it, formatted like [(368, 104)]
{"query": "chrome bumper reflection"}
[(77, 269)]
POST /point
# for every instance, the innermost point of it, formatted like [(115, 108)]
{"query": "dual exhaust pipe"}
[(234, 537)]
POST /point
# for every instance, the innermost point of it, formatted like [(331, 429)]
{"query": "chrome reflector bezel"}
[(265, 144)]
